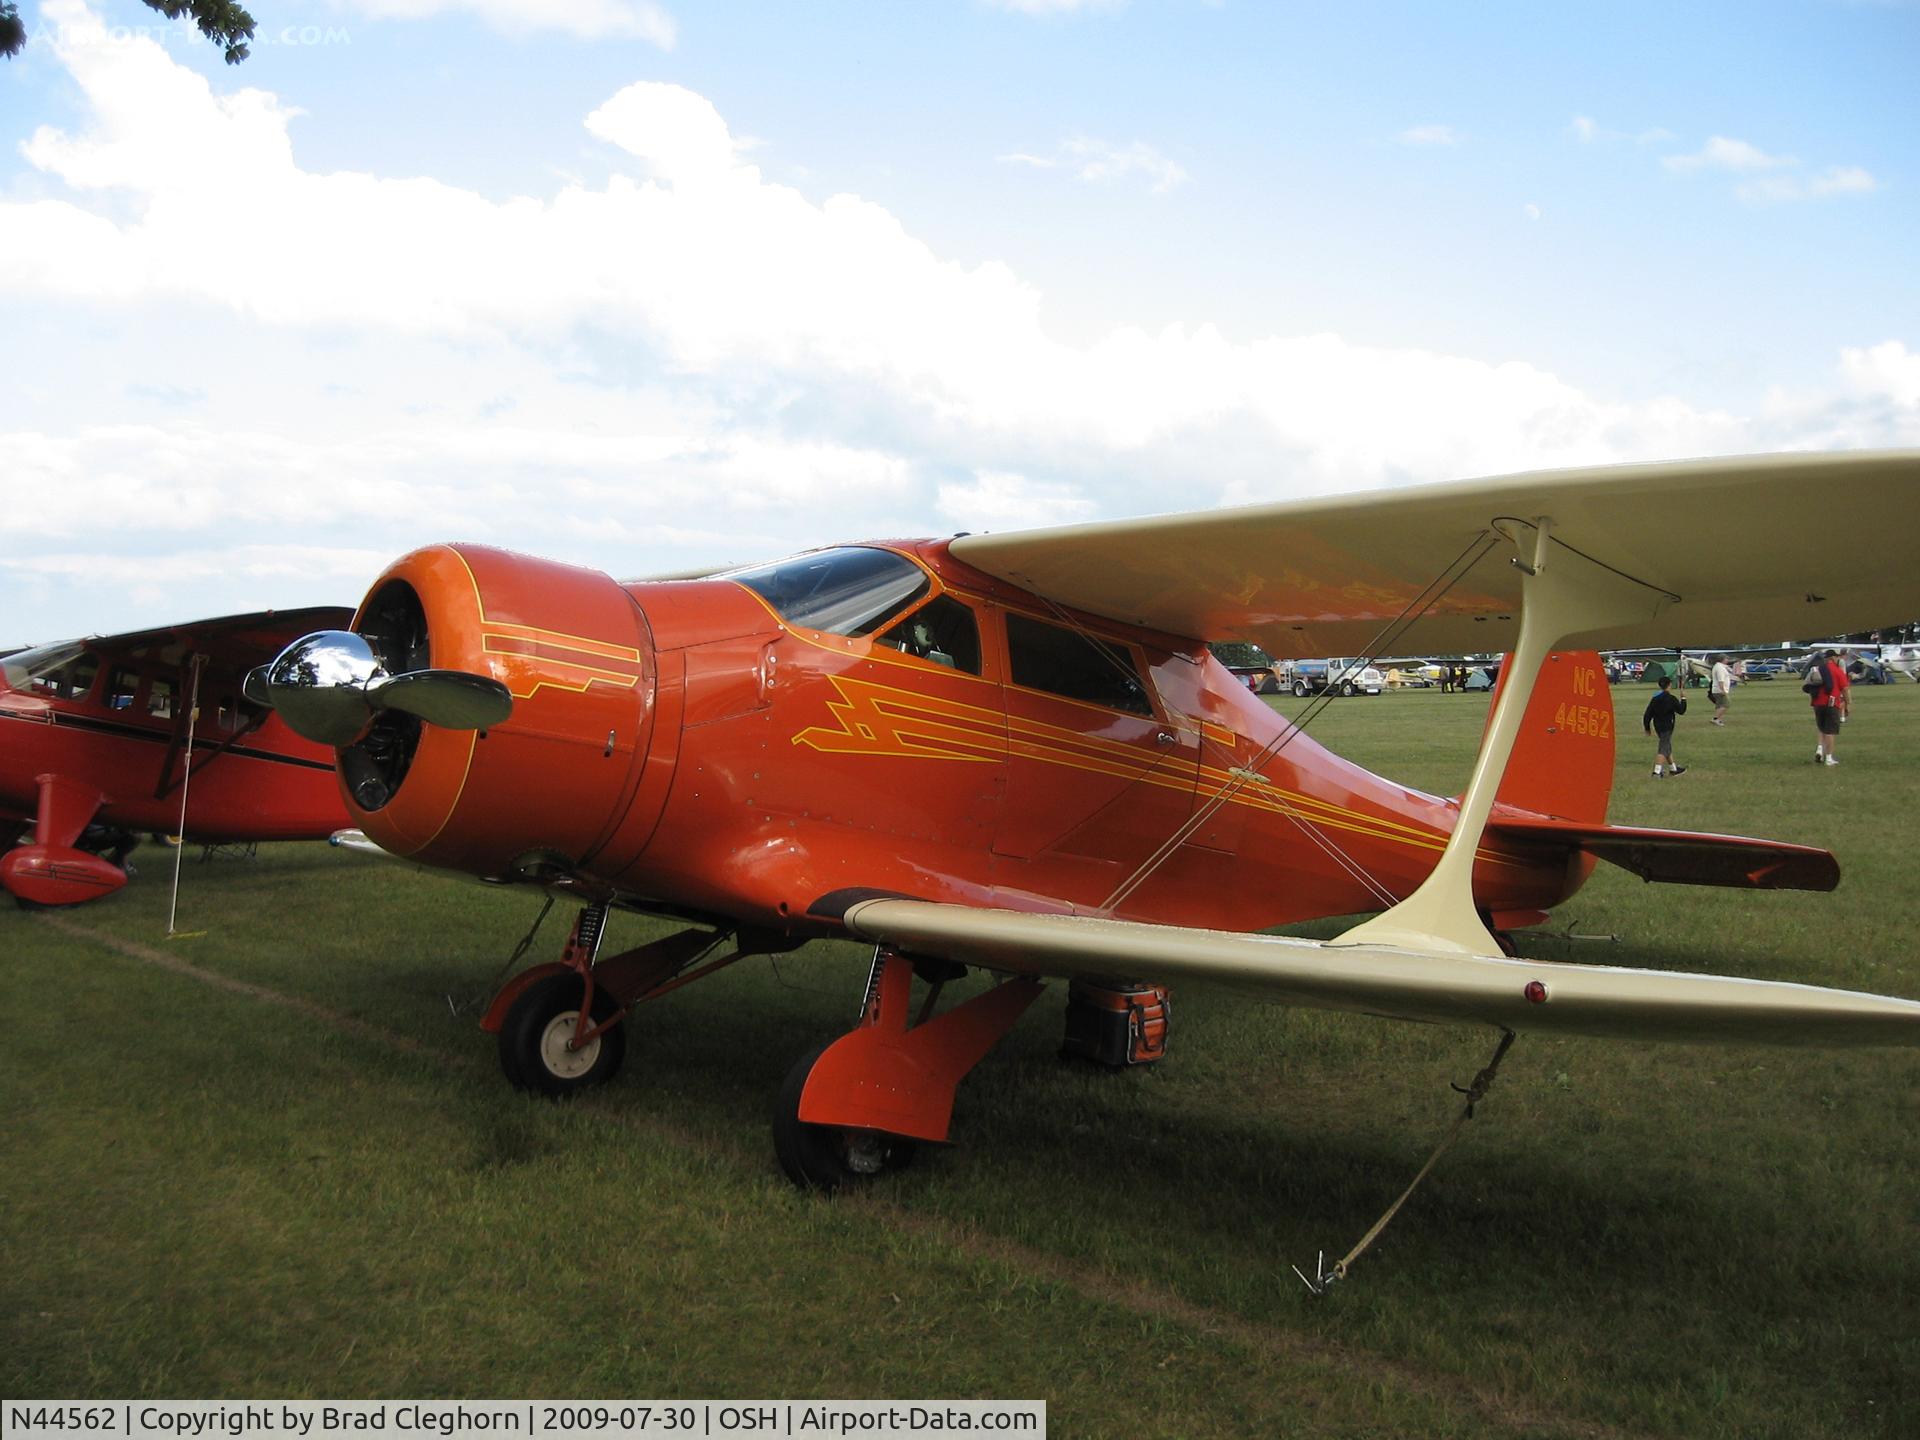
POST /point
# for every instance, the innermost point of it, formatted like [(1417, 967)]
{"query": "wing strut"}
[(1564, 594), (199, 663)]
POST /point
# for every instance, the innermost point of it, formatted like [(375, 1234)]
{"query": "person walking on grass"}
[(1826, 686), (1719, 688), (1662, 711)]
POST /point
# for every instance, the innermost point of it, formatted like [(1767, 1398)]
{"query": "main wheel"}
[(1346, 688), (1299, 689), (824, 1157), (538, 1029)]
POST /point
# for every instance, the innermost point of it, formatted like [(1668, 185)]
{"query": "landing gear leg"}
[(856, 1107), (562, 1027), (555, 1037)]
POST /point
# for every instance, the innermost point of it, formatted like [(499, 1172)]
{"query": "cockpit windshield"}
[(63, 670), (847, 591)]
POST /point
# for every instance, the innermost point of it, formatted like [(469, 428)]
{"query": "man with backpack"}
[(1826, 686)]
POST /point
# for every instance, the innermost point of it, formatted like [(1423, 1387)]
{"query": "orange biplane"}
[(1015, 753), (99, 741)]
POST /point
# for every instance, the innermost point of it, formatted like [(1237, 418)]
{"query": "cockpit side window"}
[(1078, 667), (849, 591), (122, 685), (943, 631), (160, 698), (62, 672)]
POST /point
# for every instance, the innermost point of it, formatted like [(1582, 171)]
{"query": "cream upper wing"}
[(1753, 548), (1398, 983)]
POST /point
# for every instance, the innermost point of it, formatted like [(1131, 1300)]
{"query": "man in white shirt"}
[(1719, 687)]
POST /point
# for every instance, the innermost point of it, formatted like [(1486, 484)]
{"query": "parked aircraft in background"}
[(1012, 752), (1901, 660), (99, 741)]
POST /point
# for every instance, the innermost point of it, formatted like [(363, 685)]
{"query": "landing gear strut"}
[(824, 1157), (856, 1107), (539, 1049), (561, 1026)]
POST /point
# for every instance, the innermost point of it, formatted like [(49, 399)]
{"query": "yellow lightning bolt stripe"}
[(604, 649), (549, 658), (623, 677), (879, 720)]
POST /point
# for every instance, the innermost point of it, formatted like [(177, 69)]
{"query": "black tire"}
[(532, 1056), (1299, 689), (1346, 688), (820, 1157)]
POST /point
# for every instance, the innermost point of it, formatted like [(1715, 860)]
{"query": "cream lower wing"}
[(1398, 983)]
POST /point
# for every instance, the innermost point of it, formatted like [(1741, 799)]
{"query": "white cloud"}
[(589, 19), (1002, 500), (698, 357), (1771, 179), (1835, 181), (1888, 370), (1589, 131), (1429, 135), (1737, 156), (1099, 160), (1531, 211)]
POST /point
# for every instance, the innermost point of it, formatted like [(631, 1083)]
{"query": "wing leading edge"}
[(1399, 983)]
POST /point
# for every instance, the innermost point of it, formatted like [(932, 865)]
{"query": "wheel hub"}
[(866, 1154), (557, 1052)]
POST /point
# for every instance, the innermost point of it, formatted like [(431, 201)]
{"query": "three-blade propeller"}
[(330, 685)]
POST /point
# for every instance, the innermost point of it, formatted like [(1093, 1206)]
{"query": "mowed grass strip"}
[(336, 1211), (1667, 1240)]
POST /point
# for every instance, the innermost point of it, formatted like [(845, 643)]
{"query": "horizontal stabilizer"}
[(1682, 857), (1397, 983)]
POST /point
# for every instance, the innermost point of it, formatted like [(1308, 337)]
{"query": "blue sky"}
[(652, 285)]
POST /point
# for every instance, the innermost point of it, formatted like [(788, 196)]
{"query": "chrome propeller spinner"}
[(329, 686)]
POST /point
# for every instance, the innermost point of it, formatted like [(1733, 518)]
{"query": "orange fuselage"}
[(682, 744)]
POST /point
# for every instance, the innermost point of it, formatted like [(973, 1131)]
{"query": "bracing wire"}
[(1239, 775)]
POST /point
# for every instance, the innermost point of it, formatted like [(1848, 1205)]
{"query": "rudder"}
[(1562, 762)]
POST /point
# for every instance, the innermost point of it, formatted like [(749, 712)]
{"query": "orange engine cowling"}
[(543, 791)]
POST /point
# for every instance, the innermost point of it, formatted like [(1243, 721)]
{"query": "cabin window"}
[(1079, 667), (942, 631), (160, 698), (61, 671), (121, 687), (227, 715), (849, 591)]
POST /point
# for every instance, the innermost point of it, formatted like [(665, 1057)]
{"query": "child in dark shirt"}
[(1658, 722)]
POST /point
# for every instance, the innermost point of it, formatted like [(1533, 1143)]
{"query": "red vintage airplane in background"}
[(94, 751), (1015, 752)]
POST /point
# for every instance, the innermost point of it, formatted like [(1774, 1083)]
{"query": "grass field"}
[(269, 1160)]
